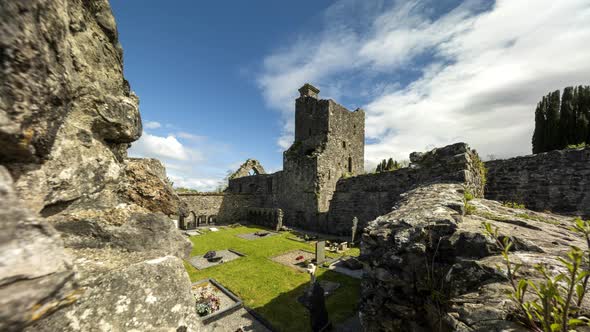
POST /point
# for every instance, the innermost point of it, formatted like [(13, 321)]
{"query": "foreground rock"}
[(125, 300), (429, 266), (126, 227), (36, 275), (67, 118)]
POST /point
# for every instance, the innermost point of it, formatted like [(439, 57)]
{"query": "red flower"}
[(298, 258)]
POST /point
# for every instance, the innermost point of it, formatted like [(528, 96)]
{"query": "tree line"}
[(562, 121), (390, 165)]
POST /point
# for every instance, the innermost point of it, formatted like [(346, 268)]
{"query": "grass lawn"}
[(268, 287)]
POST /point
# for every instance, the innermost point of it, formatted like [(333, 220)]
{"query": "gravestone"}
[(320, 252), (355, 222), (279, 220)]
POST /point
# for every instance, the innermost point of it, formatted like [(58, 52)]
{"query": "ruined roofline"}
[(310, 91)]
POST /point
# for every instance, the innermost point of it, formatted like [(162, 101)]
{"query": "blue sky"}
[(217, 79)]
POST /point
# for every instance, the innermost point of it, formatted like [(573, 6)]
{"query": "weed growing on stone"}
[(557, 299), (481, 166), (469, 208), (529, 217), (577, 146), (513, 205)]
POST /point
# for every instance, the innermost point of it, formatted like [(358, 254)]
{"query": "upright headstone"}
[(355, 222), (279, 220), (320, 252)]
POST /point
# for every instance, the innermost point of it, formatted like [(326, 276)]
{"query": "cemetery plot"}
[(212, 299), (212, 258), (349, 266), (272, 290), (257, 235), (297, 259)]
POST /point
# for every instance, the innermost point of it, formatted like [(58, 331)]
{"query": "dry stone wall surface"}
[(557, 181), (427, 245), (369, 196)]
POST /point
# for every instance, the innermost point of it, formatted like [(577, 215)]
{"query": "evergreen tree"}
[(378, 169), (567, 119), (584, 105), (390, 166), (539, 134), (552, 128), (383, 165)]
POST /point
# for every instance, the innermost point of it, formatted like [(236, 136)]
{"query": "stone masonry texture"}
[(557, 181)]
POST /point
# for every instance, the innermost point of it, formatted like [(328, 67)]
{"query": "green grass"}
[(268, 287)]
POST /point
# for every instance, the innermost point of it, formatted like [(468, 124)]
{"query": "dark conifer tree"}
[(552, 129), (390, 166), (378, 169), (567, 119), (539, 134), (584, 104), (383, 165)]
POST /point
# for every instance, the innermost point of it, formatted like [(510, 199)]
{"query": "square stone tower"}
[(329, 144)]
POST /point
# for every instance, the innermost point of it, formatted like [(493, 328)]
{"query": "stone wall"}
[(267, 217), (557, 181), (369, 196), (220, 207)]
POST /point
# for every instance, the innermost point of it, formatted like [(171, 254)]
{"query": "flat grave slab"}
[(192, 232), (290, 259), (210, 294), (342, 266), (257, 235), (199, 262), (236, 319)]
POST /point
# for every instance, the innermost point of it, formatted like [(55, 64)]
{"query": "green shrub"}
[(467, 195), (470, 209), (576, 146), (555, 301)]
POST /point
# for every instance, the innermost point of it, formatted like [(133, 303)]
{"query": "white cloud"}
[(152, 125), (152, 146), (185, 160), (201, 184), (189, 136), (484, 74)]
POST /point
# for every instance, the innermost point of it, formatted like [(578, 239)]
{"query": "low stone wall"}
[(218, 207), (558, 181), (369, 196)]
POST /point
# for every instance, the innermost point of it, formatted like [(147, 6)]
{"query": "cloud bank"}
[(429, 76)]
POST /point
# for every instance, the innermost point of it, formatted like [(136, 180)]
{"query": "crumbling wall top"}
[(250, 167)]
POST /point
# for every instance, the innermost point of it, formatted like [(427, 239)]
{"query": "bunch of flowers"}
[(206, 303)]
